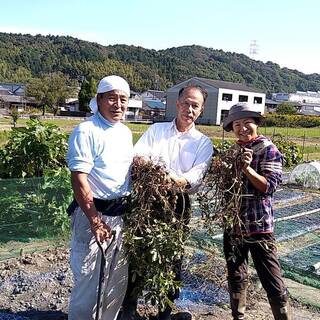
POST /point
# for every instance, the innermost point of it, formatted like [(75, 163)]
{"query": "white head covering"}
[(107, 84)]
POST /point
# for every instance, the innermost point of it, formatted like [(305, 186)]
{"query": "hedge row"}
[(286, 120)]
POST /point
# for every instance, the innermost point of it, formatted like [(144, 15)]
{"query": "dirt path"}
[(37, 286)]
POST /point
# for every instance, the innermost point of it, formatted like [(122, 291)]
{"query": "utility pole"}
[(254, 49)]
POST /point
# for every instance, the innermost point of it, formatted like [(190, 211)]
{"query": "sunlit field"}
[(307, 138)]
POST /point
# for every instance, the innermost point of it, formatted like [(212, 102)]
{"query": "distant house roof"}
[(158, 94), (154, 94), (272, 102), (134, 93), (4, 91), (16, 88), (229, 85), (71, 100), (155, 104), (308, 104), (16, 99), (310, 111), (226, 85)]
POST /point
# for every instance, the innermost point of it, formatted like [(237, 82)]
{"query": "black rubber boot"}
[(185, 315), (166, 314), (280, 307), (129, 310)]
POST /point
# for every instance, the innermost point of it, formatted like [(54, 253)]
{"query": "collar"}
[(105, 121), (192, 132)]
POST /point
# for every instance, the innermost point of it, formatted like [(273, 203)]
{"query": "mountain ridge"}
[(24, 56)]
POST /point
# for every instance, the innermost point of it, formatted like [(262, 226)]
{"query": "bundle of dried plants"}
[(154, 234), (221, 193)]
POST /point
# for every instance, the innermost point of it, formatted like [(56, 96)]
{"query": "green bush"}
[(286, 108), (291, 152), (223, 146), (32, 150), (14, 113), (285, 120)]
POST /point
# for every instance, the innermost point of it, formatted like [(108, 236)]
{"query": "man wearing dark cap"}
[(99, 157), (262, 170)]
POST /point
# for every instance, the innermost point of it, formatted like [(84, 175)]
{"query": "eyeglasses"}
[(187, 105)]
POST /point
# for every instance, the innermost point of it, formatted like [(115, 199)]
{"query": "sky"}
[(285, 31)]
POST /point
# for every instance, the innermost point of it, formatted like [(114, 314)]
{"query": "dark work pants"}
[(264, 255), (183, 208)]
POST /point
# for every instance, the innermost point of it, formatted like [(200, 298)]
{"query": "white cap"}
[(107, 84)]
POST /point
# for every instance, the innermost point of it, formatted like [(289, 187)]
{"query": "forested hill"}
[(23, 57)]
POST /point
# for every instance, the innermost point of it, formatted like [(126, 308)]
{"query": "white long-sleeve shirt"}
[(185, 154)]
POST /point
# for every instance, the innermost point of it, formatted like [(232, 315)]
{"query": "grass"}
[(291, 132)]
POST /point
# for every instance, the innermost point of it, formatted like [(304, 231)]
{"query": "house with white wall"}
[(310, 97), (306, 102), (134, 106), (222, 95)]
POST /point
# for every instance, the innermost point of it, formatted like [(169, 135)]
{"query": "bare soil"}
[(37, 286)]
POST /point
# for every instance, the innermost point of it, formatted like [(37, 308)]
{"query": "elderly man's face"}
[(189, 107), (112, 105)]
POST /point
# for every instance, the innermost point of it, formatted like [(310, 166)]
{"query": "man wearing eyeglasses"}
[(186, 153), (99, 157)]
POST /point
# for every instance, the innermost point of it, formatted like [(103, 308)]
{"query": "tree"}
[(87, 91), (14, 113), (51, 90), (286, 108)]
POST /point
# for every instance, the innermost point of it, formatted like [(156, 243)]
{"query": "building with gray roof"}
[(222, 95)]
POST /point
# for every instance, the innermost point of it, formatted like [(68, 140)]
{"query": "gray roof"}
[(158, 94), (228, 85), (4, 91), (155, 104), (154, 94), (16, 99), (270, 101), (310, 112), (218, 84), (13, 87)]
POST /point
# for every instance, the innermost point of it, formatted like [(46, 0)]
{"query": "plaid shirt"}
[(257, 213)]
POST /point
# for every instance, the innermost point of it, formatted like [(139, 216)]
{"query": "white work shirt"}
[(104, 151), (185, 154)]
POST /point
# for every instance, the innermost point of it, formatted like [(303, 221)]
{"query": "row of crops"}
[(297, 230), (34, 208)]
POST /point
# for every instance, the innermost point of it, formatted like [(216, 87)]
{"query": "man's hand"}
[(246, 158), (140, 160), (180, 182), (100, 229)]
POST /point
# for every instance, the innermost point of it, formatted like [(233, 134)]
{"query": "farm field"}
[(39, 263), (34, 235), (307, 138)]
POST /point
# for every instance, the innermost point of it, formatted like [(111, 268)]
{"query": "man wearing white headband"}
[(99, 158)]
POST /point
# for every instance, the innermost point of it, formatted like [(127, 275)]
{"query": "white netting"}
[(306, 175)]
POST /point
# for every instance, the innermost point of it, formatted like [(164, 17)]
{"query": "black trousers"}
[(183, 210), (264, 255)]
